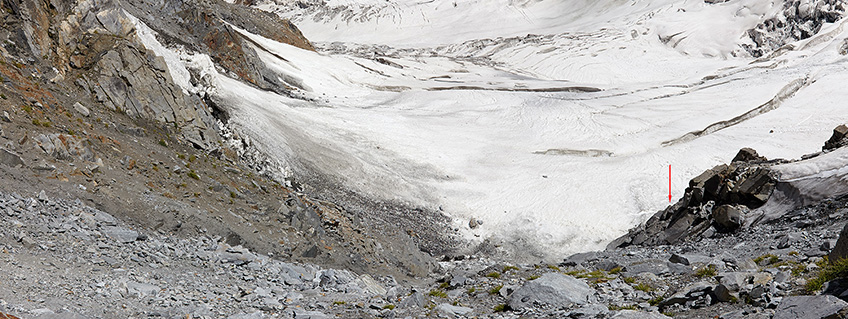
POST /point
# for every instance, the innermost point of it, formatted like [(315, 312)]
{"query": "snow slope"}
[(553, 122)]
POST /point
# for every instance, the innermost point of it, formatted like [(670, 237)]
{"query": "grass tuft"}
[(708, 271), (827, 273)]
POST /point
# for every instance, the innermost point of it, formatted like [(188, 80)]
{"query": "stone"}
[(653, 266), (633, 314), (473, 223), (415, 300), (733, 280), (253, 315), (9, 158), (5, 117), (589, 311), (692, 294), (141, 289), (120, 234), (302, 314), (840, 250), (608, 265), (453, 311), (458, 281), (821, 306), (747, 155), (82, 110), (551, 290), (679, 259), (728, 218), (836, 140), (580, 258), (722, 293)]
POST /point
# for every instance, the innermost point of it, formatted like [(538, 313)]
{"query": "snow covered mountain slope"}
[(553, 122)]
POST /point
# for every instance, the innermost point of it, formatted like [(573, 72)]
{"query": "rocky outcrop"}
[(716, 200), (838, 139)]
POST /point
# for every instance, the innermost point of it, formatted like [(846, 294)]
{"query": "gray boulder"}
[(453, 311), (728, 217), (551, 290), (120, 234), (10, 159), (633, 314), (821, 306), (841, 249)]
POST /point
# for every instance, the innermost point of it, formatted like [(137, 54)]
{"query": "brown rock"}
[(838, 139), (748, 155)]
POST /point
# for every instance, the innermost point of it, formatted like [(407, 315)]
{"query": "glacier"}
[(552, 122)]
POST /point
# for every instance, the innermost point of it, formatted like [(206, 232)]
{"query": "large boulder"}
[(551, 290), (821, 306), (838, 139), (728, 217), (841, 249)]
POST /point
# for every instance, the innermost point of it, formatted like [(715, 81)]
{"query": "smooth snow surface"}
[(552, 121)]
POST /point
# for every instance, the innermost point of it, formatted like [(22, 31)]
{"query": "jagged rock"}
[(453, 311), (840, 251), (695, 295), (733, 281), (740, 184), (728, 218), (821, 306), (722, 293), (838, 139), (64, 147), (10, 159), (551, 290), (679, 259), (748, 155)]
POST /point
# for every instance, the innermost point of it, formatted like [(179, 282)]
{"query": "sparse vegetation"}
[(389, 306), (629, 280), (615, 271), (768, 258), (495, 290), (438, 293), (494, 274), (338, 303), (627, 307), (656, 300), (162, 142), (533, 277), (827, 273), (193, 175), (444, 285), (643, 287), (708, 271), (508, 268), (500, 308)]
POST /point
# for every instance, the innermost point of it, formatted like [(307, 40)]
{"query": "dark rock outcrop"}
[(717, 198), (838, 139)]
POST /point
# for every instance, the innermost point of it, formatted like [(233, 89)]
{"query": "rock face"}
[(838, 139), (822, 306), (551, 290), (97, 41), (718, 198)]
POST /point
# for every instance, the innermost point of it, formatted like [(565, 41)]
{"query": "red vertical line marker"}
[(669, 183)]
